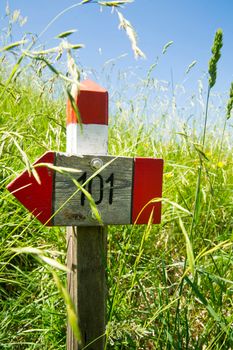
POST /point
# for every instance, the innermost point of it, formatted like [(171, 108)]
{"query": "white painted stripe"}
[(71, 138), (91, 139)]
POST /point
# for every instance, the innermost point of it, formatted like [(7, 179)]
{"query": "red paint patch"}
[(37, 198), (148, 175), (92, 102)]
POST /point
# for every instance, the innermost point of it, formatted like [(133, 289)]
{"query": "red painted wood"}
[(37, 198), (148, 174), (92, 102)]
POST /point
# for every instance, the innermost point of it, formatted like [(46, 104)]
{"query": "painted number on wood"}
[(111, 190), (98, 178)]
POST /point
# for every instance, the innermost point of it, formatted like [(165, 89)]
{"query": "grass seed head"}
[(216, 54)]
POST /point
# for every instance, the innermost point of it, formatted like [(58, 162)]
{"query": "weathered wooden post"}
[(87, 246)]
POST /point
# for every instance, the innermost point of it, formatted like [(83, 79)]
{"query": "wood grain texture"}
[(91, 296), (87, 285), (111, 189)]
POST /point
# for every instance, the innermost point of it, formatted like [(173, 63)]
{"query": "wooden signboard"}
[(120, 187)]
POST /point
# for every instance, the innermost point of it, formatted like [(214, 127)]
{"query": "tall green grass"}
[(170, 286)]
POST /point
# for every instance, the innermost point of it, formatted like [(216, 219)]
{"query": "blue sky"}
[(191, 26)]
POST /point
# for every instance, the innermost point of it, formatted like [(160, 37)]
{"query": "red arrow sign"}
[(121, 190), (36, 197)]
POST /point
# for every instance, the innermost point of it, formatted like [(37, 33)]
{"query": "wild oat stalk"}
[(127, 26), (216, 54)]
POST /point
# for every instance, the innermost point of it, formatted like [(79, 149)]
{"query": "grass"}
[(170, 286), (150, 270), (146, 309)]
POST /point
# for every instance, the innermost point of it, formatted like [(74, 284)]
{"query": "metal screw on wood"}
[(96, 163)]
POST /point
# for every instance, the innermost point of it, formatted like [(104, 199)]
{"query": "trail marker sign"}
[(121, 187)]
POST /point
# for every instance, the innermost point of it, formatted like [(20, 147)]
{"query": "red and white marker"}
[(92, 102)]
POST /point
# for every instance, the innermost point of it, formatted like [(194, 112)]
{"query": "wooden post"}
[(87, 246)]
